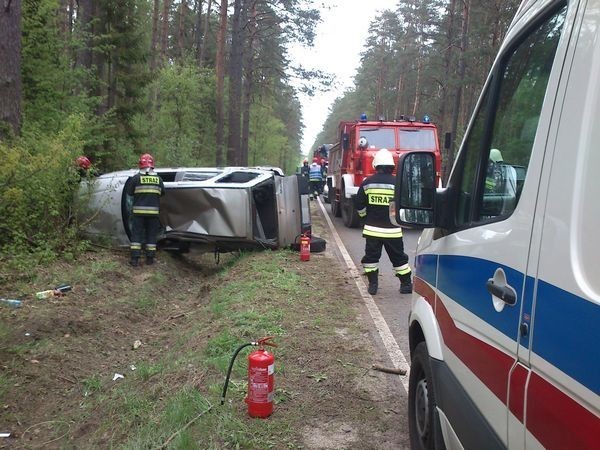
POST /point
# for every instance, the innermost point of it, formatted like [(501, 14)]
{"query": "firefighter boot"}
[(406, 286), (373, 283), (149, 260), (134, 261)]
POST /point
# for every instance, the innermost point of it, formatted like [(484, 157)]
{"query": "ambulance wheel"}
[(422, 419)]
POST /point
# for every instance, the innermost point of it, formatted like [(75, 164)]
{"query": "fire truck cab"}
[(351, 159)]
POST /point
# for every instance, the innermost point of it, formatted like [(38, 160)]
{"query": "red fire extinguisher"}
[(261, 380), (261, 367), (304, 248)]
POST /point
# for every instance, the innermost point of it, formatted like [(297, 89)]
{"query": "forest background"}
[(203, 83)]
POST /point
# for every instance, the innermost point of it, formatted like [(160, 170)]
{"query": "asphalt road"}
[(394, 306)]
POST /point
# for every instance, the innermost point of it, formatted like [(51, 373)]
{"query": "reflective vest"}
[(315, 172)]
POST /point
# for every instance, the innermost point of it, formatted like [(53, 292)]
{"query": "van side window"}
[(501, 139)]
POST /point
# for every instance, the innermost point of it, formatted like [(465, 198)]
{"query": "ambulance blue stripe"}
[(456, 281), (565, 325), (566, 333)]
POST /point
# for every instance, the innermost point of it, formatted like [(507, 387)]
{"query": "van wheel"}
[(422, 424)]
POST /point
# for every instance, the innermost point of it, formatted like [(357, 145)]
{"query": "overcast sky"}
[(338, 44)]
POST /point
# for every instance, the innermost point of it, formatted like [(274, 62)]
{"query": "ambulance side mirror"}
[(414, 193)]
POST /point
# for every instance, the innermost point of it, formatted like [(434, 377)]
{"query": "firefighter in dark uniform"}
[(305, 170), (147, 188), (372, 203)]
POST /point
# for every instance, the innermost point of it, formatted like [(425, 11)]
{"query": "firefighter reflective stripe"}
[(379, 187), (147, 189), (150, 247), (402, 270), (146, 210), (370, 267), (362, 212), (135, 246), (390, 233)]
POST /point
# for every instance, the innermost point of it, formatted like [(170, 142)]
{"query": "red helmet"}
[(316, 160), (146, 161), (83, 162)]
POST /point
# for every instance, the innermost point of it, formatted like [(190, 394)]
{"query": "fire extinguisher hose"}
[(261, 342), (239, 349)]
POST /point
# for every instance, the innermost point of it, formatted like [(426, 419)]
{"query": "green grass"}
[(145, 370), (92, 385)]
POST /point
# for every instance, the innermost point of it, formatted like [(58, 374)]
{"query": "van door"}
[(562, 401), (483, 258)]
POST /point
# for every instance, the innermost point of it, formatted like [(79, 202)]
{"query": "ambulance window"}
[(509, 126)]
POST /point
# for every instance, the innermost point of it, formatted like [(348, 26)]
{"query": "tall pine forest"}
[(203, 83)]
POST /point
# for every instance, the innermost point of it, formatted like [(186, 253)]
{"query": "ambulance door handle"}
[(504, 293)]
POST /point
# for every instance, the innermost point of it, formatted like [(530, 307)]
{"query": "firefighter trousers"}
[(144, 230), (394, 247)]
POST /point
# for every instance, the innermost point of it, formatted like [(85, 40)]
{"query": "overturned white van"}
[(214, 209), (505, 318)]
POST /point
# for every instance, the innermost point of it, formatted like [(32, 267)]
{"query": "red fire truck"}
[(351, 159)]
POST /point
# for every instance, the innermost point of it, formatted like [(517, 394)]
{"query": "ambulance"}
[(504, 326)]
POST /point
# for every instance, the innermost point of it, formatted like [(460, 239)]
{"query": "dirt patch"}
[(58, 356)]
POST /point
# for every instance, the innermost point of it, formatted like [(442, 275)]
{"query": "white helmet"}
[(362, 142), (496, 155), (383, 158)]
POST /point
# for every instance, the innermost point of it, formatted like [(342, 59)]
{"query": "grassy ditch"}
[(59, 356)]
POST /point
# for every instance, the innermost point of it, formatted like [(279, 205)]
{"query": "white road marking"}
[(391, 346)]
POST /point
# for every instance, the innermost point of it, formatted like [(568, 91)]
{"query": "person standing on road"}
[(305, 170), (315, 178), (372, 203), (146, 187)]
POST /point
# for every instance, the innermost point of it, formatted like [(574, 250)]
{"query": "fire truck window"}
[(379, 137), (417, 140)]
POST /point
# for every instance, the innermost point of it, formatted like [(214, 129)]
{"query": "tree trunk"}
[(155, 36), (417, 85), (236, 63), (249, 85), (197, 30), (10, 69), (460, 80), (181, 30), (445, 97), (220, 75), (85, 13), (204, 34), (398, 108), (164, 44)]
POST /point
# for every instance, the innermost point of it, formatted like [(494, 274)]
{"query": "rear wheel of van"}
[(421, 403)]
